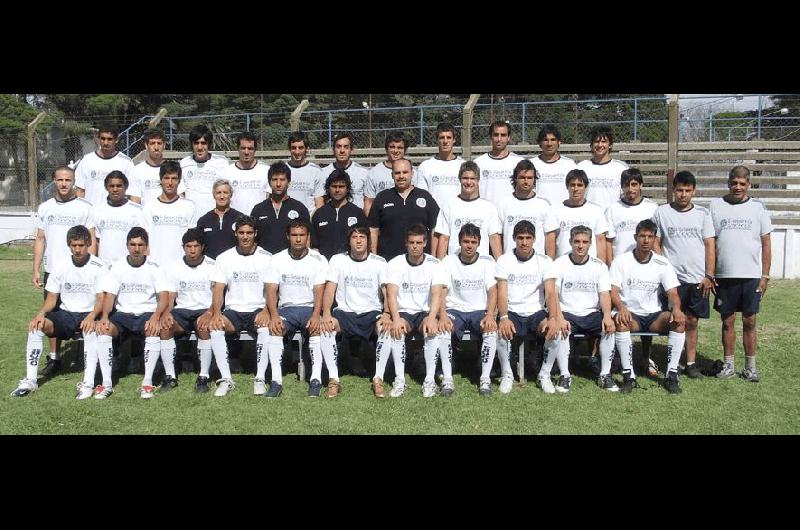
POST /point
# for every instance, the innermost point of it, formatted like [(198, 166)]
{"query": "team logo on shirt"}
[(485, 173), (49, 219), (381, 186), (511, 278), (189, 174), (435, 179), (457, 223), (567, 285), (510, 219), (405, 286), (235, 275), (155, 219), (93, 175), (235, 183), (182, 285), (351, 221), (293, 214), (421, 202), (67, 286)]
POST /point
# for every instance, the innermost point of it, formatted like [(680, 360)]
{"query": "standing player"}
[(635, 279), (295, 282), (470, 305), (744, 255), (380, 176), (342, 151), (305, 174), (686, 239), (145, 182), (497, 165), (202, 168), (168, 217), (551, 166), (114, 218), (330, 224), (603, 171), (414, 292), (218, 224), (93, 168), (623, 216), (525, 204), (248, 176), (275, 213), (76, 282)]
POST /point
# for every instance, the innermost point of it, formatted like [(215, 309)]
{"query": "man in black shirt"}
[(217, 225), (274, 214), (395, 209), (330, 223)]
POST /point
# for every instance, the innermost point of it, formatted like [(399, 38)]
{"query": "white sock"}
[(275, 350), (431, 350), (625, 349), (446, 354), (399, 357), (33, 350), (563, 357), (504, 355), (152, 351), (488, 350), (89, 358), (551, 348), (606, 352), (330, 354), (383, 349), (53, 355), (220, 349), (105, 354), (204, 351), (316, 357), (262, 352), (675, 343), (168, 356)]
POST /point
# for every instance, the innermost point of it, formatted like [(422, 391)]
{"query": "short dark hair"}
[(168, 168), (632, 173), (361, 229), (338, 175), (471, 230), (601, 131), (194, 234), (79, 232), (109, 128), (279, 168), (580, 229), (469, 165), (548, 129), (523, 165), (116, 174), (63, 168), (297, 136), (499, 123), (201, 131), (524, 227), (647, 225), (445, 126), (684, 178), (396, 136), (149, 134), (298, 223), (342, 135), (576, 174), (739, 171), (247, 135), (138, 231), (245, 220), (417, 229)]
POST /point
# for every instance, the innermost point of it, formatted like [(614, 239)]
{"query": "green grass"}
[(708, 406)]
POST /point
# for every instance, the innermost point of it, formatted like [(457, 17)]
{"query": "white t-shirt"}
[(244, 277), (440, 178), (166, 222), (551, 178), (683, 236), (192, 285), (622, 219), (250, 186), (55, 219), (459, 212), (468, 285), (565, 217), (739, 228), (414, 282), (604, 181), (136, 288), (296, 278), (91, 172), (513, 210), (112, 224), (525, 281), (495, 183), (145, 182), (579, 286), (199, 178), (78, 286), (380, 178), (358, 178), (305, 180), (638, 282), (358, 283)]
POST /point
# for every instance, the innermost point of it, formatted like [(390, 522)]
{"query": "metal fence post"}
[(330, 130), (524, 132), (466, 132), (635, 119), (33, 173), (247, 121), (421, 126), (170, 133), (758, 127)]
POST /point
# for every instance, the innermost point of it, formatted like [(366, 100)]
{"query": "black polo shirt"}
[(220, 235), (329, 227), (272, 225), (392, 215)]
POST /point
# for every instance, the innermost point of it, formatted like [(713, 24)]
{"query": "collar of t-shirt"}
[(575, 262), (523, 260), (85, 261), (735, 203), (645, 262)]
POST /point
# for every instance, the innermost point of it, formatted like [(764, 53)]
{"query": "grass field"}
[(708, 406)]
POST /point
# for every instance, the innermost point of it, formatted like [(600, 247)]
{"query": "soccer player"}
[(114, 218), (635, 279), (167, 218), (686, 238), (623, 216), (53, 220), (218, 224), (137, 293), (525, 286), (497, 166), (239, 280), (305, 174), (469, 207), (189, 307), (603, 171), (92, 169), (201, 169), (275, 213), (342, 151), (551, 166), (356, 280), (380, 177), (76, 282), (331, 222), (584, 295), (145, 182), (525, 204), (295, 283), (414, 292), (744, 255), (248, 176), (470, 305)]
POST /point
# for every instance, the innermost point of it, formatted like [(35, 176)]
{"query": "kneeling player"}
[(635, 278)]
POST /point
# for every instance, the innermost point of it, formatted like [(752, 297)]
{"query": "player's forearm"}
[(391, 301), (367, 205), (38, 253), (374, 233), (163, 302), (318, 293), (108, 304), (766, 255), (602, 249), (442, 246), (616, 299), (711, 256), (491, 302), (436, 300), (605, 303), (94, 247), (551, 299), (327, 299), (502, 298), (496, 244), (550, 245), (272, 300)]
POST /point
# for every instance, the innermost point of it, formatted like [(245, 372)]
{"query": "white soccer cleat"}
[(398, 388), (223, 387), (429, 389), (25, 387), (102, 392), (259, 387), (506, 384), (147, 391), (84, 391), (546, 384)]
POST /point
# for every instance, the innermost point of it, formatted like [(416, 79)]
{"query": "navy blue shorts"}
[(692, 301), (360, 325), (65, 323), (466, 321), (128, 323), (295, 319), (645, 321), (414, 319), (737, 295), (527, 325), (242, 321), (187, 318), (591, 324)]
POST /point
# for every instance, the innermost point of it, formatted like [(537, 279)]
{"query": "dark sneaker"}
[(168, 384), (201, 385), (606, 382), (728, 372), (628, 384), (672, 384), (314, 388), (564, 383), (52, 368), (751, 374), (275, 390), (693, 372)]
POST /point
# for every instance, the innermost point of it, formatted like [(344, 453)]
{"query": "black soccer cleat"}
[(52, 368), (201, 385), (168, 383), (672, 384), (275, 390), (314, 388), (628, 384)]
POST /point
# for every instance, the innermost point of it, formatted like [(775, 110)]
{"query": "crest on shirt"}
[(435, 178), (457, 283), (235, 275), (67, 286), (510, 218), (94, 174), (182, 285), (405, 286), (293, 214), (511, 278), (567, 285), (235, 184), (485, 173), (723, 223), (189, 174), (49, 218), (351, 221), (670, 231), (421, 202), (155, 219), (457, 223)]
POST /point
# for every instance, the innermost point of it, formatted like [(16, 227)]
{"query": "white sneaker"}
[(223, 387), (148, 391), (25, 387), (259, 387), (102, 392), (485, 387), (546, 384), (428, 389), (506, 384), (84, 391), (398, 388)]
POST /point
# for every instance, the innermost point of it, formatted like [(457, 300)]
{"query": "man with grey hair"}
[(217, 225)]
